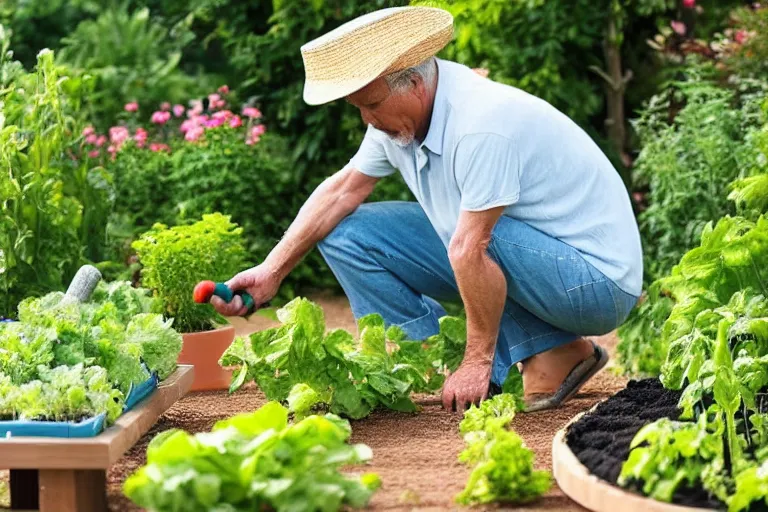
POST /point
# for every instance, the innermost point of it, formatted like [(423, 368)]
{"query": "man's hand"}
[(261, 282), (469, 385)]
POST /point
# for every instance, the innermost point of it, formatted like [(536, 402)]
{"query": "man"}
[(519, 213)]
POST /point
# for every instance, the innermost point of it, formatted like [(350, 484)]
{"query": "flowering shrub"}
[(178, 162), (741, 48)]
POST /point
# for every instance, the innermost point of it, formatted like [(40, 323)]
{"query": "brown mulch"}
[(414, 454)]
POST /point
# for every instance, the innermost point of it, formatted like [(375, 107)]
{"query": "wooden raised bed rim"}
[(596, 494), (69, 475)]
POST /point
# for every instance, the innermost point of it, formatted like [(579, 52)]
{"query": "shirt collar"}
[(434, 139)]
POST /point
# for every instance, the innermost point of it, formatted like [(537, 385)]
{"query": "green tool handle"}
[(226, 294)]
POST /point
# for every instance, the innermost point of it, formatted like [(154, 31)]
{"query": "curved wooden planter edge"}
[(593, 493)]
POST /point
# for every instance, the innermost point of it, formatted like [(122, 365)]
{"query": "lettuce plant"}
[(301, 363), (254, 461), (502, 466), (67, 360)]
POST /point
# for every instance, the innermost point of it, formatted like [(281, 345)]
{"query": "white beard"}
[(402, 140)]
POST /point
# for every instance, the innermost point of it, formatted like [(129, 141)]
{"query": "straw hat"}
[(355, 54)]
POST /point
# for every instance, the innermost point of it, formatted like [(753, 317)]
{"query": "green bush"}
[(687, 163), (132, 56), (53, 203), (175, 259)]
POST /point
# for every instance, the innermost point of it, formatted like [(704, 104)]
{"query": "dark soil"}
[(600, 439)]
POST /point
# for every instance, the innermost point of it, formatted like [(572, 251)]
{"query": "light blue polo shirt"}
[(491, 145)]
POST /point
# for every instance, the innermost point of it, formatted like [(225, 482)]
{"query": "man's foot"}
[(553, 377)]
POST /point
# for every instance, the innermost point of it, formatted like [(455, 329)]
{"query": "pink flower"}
[(194, 133), (165, 106), (224, 89), (689, 4), (160, 117), (178, 110), (88, 130), (252, 140), (186, 125), (131, 107), (236, 122), (251, 112), (93, 139), (216, 101), (257, 130), (140, 137), (93, 154), (112, 149), (214, 122), (197, 108), (679, 27), (156, 146), (118, 134), (101, 140), (740, 36), (222, 114)]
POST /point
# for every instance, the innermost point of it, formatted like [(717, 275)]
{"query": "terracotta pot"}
[(203, 350)]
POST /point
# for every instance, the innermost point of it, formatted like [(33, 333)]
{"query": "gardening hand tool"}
[(204, 290), (85, 281)]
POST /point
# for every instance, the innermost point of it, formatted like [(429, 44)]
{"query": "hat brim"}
[(380, 63)]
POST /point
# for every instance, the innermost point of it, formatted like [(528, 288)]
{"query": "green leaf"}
[(239, 378)]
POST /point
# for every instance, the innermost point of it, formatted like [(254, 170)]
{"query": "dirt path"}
[(415, 455)]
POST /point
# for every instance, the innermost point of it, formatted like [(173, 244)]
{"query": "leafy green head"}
[(175, 259)]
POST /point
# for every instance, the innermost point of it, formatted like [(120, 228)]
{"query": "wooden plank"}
[(101, 451), (73, 490), (24, 490), (596, 494)]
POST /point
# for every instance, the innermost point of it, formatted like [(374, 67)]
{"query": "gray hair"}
[(400, 81)]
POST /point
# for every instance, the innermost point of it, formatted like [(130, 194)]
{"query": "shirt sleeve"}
[(487, 170), (371, 158)]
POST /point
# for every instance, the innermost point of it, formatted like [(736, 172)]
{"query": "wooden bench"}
[(70, 475)]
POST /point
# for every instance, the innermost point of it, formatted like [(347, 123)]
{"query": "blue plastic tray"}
[(87, 428), (22, 428), (140, 392)]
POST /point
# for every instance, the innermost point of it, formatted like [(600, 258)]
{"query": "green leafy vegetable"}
[(667, 454), (67, 360), (502, 466), (174, 259), (61, 394), (254, 461), (751, 487), (299, 362), (498, 411)]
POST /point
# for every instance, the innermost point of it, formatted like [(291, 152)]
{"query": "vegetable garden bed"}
[(589, 452), (56, 474)]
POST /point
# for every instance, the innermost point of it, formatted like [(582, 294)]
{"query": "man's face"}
[(395, 113)]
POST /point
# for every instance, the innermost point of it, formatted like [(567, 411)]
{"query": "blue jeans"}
[(390, 261)]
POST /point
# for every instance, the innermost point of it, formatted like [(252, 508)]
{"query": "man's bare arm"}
[(483, 290), (334, 199)]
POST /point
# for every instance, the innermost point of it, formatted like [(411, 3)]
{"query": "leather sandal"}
[(578, 376)]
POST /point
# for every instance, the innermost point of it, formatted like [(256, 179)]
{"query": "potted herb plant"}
[(174, 260)]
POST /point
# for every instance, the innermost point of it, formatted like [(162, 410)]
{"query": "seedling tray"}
[(67, 429), (69, 474)]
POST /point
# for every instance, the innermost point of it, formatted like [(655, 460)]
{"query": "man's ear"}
[(418, 85)]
